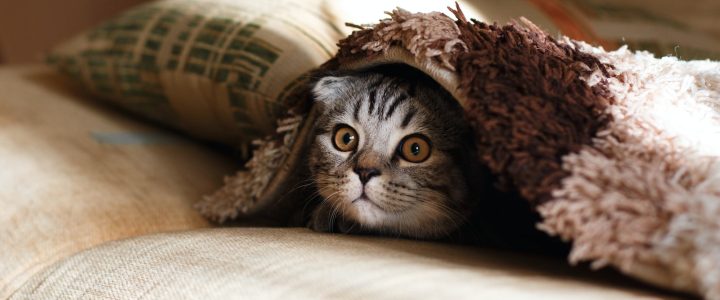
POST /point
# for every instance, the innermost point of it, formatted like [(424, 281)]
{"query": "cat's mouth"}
[(364, 198)]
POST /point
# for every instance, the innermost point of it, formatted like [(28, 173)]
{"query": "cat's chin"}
[(364, 217), (406, 223), (367, 212)]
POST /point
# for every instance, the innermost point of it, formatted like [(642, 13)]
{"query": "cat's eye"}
[(415, 148), (345, 138)]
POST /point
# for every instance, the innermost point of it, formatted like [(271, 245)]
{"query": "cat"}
[(392, 153)]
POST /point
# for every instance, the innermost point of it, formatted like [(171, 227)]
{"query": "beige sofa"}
[(97, 205)]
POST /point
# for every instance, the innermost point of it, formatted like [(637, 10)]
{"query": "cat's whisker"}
[(304, 184), (321, 185), (335, 208), (440, 208), (451, 214), (316, 193)]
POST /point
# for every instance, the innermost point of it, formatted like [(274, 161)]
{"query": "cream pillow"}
[(219, 69)]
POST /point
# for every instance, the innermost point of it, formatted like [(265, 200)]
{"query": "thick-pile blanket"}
[(619, 152)]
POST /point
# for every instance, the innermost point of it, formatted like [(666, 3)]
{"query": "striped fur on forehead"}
[(384, 95), (378, 95)]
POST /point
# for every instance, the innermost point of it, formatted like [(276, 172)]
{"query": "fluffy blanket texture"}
[(619, 152)]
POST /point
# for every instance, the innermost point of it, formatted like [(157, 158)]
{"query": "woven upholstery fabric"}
[(262, 263), (74, 174)]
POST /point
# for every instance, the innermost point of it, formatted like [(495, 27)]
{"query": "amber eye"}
[(415, 148), (345, 138)]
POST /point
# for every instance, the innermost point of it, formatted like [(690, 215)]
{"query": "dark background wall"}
[(28, 28)]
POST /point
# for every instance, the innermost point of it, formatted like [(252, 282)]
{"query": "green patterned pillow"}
[(218, 69)]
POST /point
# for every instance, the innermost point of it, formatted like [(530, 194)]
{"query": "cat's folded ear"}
[(329, 88)]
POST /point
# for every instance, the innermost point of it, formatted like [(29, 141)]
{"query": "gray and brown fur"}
[(422, 200)]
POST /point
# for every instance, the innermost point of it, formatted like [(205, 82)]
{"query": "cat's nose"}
[(366, 173)]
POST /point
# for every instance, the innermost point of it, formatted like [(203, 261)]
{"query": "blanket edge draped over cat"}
[(618, 151)]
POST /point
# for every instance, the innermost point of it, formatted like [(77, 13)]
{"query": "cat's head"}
[(389, 154)]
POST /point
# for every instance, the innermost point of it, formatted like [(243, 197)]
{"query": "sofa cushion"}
[(74, 174), (255, 263), (221, 69)]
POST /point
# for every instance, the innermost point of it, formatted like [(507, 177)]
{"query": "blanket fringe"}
[(242, 192)]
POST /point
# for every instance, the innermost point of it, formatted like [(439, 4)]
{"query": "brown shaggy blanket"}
[(617, 152)]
